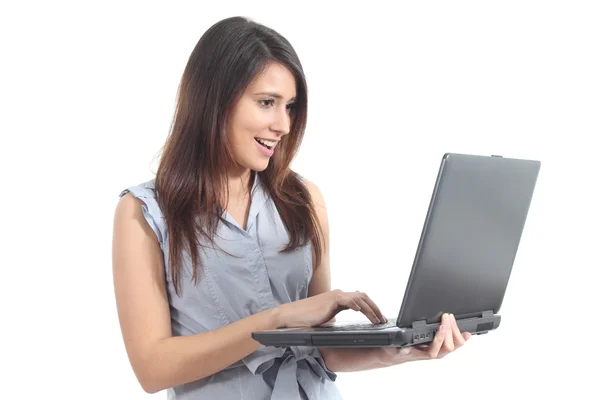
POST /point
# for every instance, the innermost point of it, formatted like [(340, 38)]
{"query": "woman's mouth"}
[(266, 147)]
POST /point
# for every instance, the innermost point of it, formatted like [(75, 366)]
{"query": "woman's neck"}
[(240, 185)]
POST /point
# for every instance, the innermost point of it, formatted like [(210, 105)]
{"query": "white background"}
[(87, 93)]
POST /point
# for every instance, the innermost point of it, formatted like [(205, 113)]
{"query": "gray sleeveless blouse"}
[(253, 277)]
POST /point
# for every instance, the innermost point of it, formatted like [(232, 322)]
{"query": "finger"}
[(373, 306), (448, 339), (367, 310), (438, 341), (347, 301), (466, 335), (457, 336)]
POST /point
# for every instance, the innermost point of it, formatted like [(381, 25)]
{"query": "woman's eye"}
[(266, 102), (290, 107)]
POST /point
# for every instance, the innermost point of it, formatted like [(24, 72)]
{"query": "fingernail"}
[(445, 317)]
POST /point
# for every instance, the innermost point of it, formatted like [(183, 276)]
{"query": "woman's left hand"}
[(447, 339)]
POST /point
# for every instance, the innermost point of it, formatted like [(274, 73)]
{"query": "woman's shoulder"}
[(145, 192), (313, 189)]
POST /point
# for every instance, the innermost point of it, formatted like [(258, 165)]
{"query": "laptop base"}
[(419, 333)]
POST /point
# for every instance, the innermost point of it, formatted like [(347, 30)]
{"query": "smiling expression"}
[(261, 117)]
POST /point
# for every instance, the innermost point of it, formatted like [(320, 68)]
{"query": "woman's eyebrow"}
[(273, 94)]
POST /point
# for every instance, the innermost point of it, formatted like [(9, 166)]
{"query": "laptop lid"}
[(470, 237)]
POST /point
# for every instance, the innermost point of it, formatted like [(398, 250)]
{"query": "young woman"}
[(227, 240)]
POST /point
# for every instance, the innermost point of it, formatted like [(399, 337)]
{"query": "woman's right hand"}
[(319, 309)]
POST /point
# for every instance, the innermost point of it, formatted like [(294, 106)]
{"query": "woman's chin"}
[(259, 166)]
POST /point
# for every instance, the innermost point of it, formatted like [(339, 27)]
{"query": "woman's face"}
[(262, 115)]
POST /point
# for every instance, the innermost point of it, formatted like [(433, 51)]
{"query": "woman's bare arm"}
[(160, 360), (337, 359)]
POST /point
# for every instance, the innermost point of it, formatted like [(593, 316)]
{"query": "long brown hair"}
[(191, 181)]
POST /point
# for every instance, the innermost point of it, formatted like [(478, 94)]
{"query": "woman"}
[(227, 240)]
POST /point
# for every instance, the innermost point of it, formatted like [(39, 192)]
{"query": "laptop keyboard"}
[(361, 326)]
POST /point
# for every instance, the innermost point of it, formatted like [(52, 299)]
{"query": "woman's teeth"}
[(267, 143)]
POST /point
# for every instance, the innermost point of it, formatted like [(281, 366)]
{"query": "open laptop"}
[(463, 261)]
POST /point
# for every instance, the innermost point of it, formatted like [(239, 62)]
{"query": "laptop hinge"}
[(418, 324), (489, 313)]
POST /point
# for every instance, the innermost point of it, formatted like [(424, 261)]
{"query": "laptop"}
[(463, 261)]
